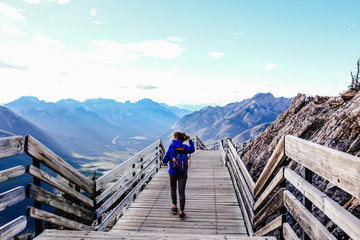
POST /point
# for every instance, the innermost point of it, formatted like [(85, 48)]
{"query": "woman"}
[(177, 177)]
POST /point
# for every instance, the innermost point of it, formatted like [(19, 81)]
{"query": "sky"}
[(177, 52)]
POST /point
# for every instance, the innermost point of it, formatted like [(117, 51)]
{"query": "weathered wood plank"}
[(11, 173), (199, 144), (272, 226), (275, 160), (12, 228), (340, 216), (128, 198), (77, 235), (243, 194), (245, 214), (101, 182), (273, 205), (11, 146), (115, 197), (275, 182), (331, 164), (56, 183), (241, 165), (115, 186), (244, 187), (306, 220), (36, 150), (288, 232), (40, 195), (11, 197), (52, 218)]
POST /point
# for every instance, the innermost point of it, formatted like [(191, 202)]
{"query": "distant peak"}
[(263, 95), (29, 99)]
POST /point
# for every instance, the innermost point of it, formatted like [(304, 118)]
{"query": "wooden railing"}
[(199, 145), (120, 186), (268, 197), (9, 147), (78, 202)]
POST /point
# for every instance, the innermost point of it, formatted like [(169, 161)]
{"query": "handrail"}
[(9, 147), (198, 143), (80, 202), (328, 163)]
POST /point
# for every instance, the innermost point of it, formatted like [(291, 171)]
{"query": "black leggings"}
[(181, 179)]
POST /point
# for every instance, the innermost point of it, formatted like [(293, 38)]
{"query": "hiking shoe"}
[(174, 210), (182, 216)]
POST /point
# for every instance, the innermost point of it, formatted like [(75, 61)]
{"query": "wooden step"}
[(78, 235)]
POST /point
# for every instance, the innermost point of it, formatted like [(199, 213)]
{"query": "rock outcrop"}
[(333, 122)]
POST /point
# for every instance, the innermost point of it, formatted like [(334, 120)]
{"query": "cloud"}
[(93, 12), (175, 39), (157, 49), (12, 30), (43, 41), (12, 66), (146, 87), (176, 67), (237, 33), (269, 66), (132, 51), (63, 1), (216, 54), (8, 13), (39, 1), (97, 22), (32, 1)]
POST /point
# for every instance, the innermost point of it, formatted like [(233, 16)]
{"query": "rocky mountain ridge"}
[(250, 116), (330, 121), (98, 124)]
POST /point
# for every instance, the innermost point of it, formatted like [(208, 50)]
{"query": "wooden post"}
[(308, 174), (38, 223), (226, 153), (282, 210)]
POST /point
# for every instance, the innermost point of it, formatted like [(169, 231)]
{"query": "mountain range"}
[(240, 121), (85, 127)]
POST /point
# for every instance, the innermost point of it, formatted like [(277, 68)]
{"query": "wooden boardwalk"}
[(212, 210)]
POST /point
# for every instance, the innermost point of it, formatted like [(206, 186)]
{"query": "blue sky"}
[(177, 52)]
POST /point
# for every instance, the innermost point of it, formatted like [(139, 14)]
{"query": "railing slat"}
[(241, 164), (245, 214), (11, 197), (271, 226), (316, 158), (115, 197), (11, 146), (125, 201), (276, 181), (11, 173), (288, 232), (276, 158), (244, 191), (38, 194), (52, 218), (273, 205), (12, 228), (103, 180), (54, 182), (340, 216), (306, 220), (36, 150)]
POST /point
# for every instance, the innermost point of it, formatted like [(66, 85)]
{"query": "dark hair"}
[(180, 136)]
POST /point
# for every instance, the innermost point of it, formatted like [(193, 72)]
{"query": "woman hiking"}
[(177, 169)]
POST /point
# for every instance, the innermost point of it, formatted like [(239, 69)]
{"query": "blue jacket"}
[(170, 153)]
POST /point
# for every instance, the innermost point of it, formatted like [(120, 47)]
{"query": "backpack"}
[(180, 161)]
